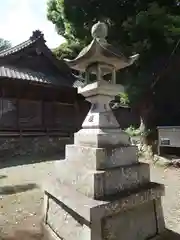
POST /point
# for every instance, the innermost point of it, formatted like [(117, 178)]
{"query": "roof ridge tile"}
[(16, 48), (36, 35)]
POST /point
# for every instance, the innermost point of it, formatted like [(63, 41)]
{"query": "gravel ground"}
[(21, 199)]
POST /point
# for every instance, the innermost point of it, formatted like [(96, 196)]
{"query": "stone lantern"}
[(100, 59), (101, 191)]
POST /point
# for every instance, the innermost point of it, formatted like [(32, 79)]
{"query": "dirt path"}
[(21, 198)]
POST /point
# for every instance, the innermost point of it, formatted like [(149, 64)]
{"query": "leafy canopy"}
[(129, 21), (151, 28), (4, 44)]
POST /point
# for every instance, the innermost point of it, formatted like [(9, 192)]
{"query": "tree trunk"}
[(142, 126), (146, 115)]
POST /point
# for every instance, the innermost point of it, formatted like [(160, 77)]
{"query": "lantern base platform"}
[(135, 215)]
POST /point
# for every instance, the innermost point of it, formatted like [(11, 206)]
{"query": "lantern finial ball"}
[(99, 30)]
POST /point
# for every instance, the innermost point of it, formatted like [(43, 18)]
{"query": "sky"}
[(19, 18)]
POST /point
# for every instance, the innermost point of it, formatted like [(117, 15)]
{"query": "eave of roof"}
[(11, 72), (98, 51)]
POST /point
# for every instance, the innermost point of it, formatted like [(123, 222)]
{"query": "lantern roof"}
[(100, 51)]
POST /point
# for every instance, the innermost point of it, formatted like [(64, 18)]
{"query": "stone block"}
[(97, 184), (101, 88), (159, 215), (102, 158), (125, 178), (101, 138), (66, 223), (100, 116), (136, 224), (71, 215)]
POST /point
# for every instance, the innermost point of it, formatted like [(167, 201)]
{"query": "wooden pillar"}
[(18, 109), (2, 94), (76, 106), (43, 115), (18, 114)]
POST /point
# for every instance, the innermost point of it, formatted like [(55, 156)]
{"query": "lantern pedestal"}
[(101, 191)]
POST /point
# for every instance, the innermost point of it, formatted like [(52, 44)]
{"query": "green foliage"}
[(129, 21), (124, 99), (136, 132), (4, 44), (131, 131), (150, 28), (69, 49)]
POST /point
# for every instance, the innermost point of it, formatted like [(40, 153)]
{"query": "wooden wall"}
[(23, 114), (26, 106)]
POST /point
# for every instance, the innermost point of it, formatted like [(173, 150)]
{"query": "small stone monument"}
[(101, 191)]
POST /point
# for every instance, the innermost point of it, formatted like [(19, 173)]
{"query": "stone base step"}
[(102, 158), (71, 215), (97, 184)]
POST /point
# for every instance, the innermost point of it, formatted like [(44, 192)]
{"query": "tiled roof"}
[(16, 48), (26, 74), (62, 76), (36, 35)]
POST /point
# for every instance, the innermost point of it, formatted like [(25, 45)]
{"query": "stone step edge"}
[(85, 206), (96, 184), (102, 158)]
